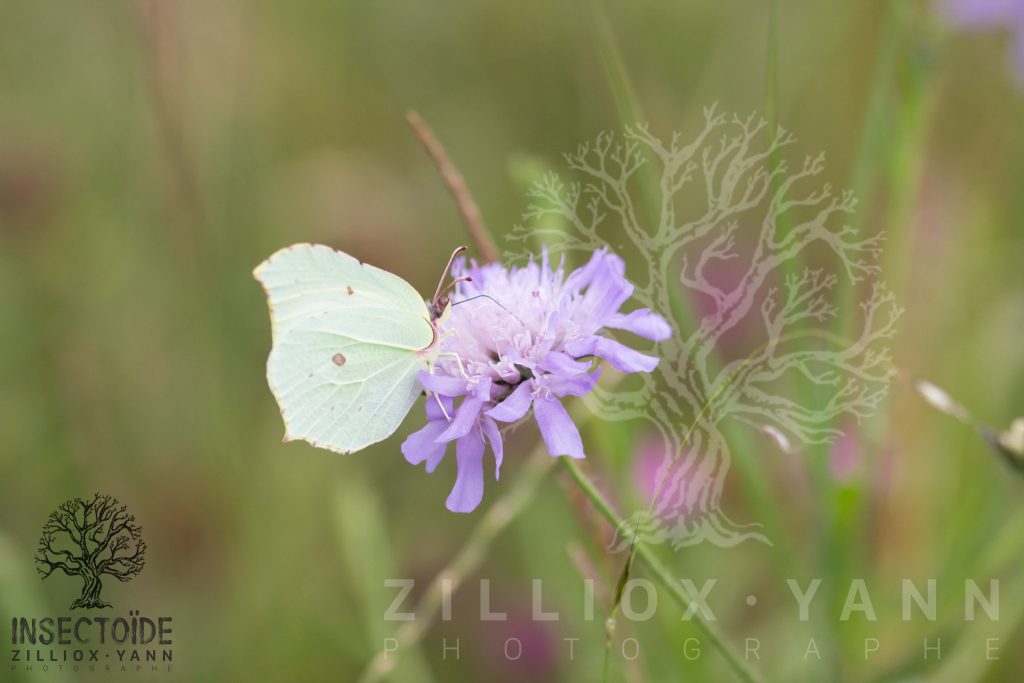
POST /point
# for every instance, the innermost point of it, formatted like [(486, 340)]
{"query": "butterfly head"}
[(440, 304), (440, 309)]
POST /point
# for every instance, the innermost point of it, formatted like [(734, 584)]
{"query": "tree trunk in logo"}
[(90, 598)]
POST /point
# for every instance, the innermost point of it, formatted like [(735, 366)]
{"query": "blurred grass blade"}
[(527, 172), (19, 597), (360, 523), (969, 662)]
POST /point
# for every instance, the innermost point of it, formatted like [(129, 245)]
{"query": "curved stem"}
[(456, 185)]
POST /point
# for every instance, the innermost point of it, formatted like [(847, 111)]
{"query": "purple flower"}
[(992, 14), (522, 338)]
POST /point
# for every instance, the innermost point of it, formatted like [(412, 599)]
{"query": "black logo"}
[(91, 539)]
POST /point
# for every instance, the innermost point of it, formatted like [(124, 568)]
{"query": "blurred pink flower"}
[(844, 458), (992, 14), (680, 490), (526, 649)]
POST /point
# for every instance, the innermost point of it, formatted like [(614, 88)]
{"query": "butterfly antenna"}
[(440, 283), (464, 278), (488, 296)]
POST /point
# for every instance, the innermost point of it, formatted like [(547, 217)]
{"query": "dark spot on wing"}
[(338, 359), (350, 291)]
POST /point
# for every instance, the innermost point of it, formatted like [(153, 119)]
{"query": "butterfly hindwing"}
[(337, 392)]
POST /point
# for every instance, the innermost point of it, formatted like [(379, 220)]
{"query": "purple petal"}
[(607, 291), (557, 429), (464, 420), (574, 386), (642, 322), (620, 356), (515, 404), (560, 363), (433, 409), (582, 347), (421, 445), (469, 482), (442, 384), (493, 435), (583, 276), (468, 412)]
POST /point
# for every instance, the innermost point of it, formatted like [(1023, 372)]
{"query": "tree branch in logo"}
[(91, 540), (724, 226)]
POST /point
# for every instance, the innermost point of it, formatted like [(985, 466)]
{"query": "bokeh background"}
[(153, 152)]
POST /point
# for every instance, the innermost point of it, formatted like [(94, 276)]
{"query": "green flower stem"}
[(661, 574)]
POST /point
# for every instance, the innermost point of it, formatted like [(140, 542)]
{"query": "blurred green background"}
[(153, 152)]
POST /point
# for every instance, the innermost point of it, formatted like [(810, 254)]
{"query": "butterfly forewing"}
[(347, 338), (306, 279)]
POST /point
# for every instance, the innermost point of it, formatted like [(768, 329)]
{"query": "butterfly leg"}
[(462, 371), (447, 417), (458, 361)]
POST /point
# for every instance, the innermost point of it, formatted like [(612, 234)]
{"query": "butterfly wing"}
[(306, 279), (347, 338)]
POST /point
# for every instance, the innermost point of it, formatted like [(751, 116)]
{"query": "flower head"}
[(521, 338)]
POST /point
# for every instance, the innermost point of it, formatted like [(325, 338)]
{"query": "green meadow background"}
[(153, 152)]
